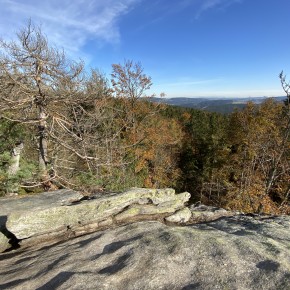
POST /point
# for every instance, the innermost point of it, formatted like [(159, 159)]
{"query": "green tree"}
[(13, 165), (204, 155)]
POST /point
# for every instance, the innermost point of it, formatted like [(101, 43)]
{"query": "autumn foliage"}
[(83, 131)]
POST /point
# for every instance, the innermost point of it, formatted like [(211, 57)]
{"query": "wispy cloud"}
[(67, 23), (71, 24), (199, 7), (206, 5), (159, 10)]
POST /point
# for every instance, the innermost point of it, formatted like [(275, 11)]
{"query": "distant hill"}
[(220, 105)]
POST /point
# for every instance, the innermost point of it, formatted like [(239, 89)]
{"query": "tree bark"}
[(12, 185), (42, 156), (15, 158)]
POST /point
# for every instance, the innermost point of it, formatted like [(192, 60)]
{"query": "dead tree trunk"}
[(14, 168), (42, 145)]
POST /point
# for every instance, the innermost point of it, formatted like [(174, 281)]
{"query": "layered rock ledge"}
[(63, 214)]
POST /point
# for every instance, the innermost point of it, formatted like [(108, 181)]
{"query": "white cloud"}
[(67, 23)]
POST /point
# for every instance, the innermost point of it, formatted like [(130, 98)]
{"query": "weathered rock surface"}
[(63, 214), (40, 201), (4, 242), (239, 252), (203, 213), (199, 247), (181, 216)]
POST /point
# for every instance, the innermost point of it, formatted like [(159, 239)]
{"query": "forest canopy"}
[(62, 126)]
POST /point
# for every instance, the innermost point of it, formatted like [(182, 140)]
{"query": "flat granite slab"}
[(241, 252)]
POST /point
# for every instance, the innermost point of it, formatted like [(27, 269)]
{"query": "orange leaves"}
[(151, 140), (186, 116), (157, 140), (259, 134), (252, 200)]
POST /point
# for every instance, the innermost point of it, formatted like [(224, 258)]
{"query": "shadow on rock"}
[(268, 265), (119, 265)]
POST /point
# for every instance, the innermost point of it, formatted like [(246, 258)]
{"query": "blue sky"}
[(190, 48)]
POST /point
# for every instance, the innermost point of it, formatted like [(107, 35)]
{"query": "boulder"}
[(238, 252), (63, 214)]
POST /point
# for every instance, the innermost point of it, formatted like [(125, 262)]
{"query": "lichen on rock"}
[(181, 216), (67, 213), (4, 243)]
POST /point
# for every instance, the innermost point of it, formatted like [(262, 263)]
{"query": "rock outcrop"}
[(63, 214), (139, 239), (239, 252)]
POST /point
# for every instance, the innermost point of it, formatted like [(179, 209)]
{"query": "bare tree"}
[(36, 79), (130, 84), (129, 80), (285, 148), (286, 88)]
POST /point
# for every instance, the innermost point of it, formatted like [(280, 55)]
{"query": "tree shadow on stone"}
[(239, 226), (268, 265), (120, 264), (115, 246), (56, 281), (12, 284), (51, 266), (86, 242), (191, 286)]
